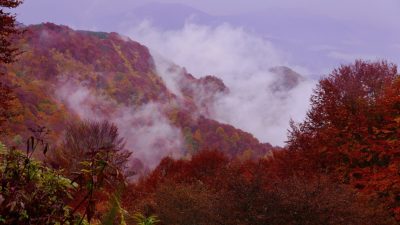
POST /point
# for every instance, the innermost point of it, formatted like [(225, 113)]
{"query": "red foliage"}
[(210, 189), (352, 130), (118, 69)]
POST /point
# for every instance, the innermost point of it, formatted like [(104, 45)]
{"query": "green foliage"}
[(115, 213), (17, 140), (143, 220), (31, 193), (101, 35), (190, 142)]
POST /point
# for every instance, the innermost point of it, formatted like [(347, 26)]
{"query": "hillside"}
[(171, 127), (65, 75)]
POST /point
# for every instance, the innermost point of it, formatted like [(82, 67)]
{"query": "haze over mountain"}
[(160, 108), (313, 35), (314, 41)]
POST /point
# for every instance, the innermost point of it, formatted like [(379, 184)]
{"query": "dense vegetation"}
[(340, 165), (119, 74), (8, 52)]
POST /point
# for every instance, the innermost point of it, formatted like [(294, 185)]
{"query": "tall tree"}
[(8, 29), (346, 108), (352, 130)]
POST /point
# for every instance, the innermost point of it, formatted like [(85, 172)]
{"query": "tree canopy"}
[(8, 28)]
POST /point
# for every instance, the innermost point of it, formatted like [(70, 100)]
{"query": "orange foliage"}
[(211, 189), (352, 130)]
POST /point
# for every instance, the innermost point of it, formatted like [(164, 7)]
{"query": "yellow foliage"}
[(197, 136)]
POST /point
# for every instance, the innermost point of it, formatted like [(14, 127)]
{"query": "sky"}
[(317, 34), (239, 40), (383, 12)]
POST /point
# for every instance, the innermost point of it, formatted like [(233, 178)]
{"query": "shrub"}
[(31, 193)]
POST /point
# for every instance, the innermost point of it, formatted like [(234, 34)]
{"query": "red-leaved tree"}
[(352, 130), (8, 29)]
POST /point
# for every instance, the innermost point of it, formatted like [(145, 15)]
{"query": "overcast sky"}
[(383, 12), (338, 30), (310, 36)]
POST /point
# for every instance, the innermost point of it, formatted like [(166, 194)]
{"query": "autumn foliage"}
[(352, 133), (8, 28), (211, 189), (341, 164), (122, 72), (8, 52)]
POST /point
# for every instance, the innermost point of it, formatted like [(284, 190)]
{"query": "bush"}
[(93, 155), (31, 193), (88, 140)]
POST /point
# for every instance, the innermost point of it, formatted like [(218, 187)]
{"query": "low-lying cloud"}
[(243, 61), (146, 130)]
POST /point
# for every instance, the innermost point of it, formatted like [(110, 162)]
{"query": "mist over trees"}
[(340, 165)]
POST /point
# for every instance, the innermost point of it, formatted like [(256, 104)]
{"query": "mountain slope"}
[(66, 75)]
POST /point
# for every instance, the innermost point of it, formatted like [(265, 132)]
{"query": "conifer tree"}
[(8, 30)]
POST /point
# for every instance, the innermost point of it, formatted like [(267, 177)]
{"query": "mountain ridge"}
[(65, 75)]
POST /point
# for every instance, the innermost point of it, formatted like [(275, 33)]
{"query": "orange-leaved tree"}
[(352, 129)]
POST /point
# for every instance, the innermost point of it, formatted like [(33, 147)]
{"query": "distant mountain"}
[(287, 78), (169, 15), (314, 40), (163, 15), (66, 75)]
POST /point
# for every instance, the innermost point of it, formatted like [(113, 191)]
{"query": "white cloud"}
[(146, 130), (242, 60), (206, 50), (149, 133)]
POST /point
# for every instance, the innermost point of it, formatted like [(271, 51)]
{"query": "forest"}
[(341, 165)]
